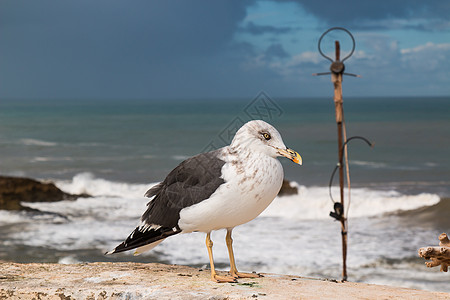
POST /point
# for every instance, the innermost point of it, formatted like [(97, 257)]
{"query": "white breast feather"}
[(251, 184)]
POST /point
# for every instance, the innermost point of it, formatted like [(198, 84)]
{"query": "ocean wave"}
[(407, 272), (83, 229), (87, 183), (11, 217), (431, 216), (431, 164), (370, 164), (380, 165), (47, 159), (314, 203), (36, 142), (44, 143), (309, 203)]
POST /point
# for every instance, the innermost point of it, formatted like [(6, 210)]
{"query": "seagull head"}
[(259, 136)]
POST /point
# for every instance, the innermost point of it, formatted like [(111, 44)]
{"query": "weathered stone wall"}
[(158, 281)]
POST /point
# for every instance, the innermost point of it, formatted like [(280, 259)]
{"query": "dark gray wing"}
[(191, 182)]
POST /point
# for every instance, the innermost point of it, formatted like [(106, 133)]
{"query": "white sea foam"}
[(314, 203), (102, 220), (370, 164), (10, 217), (299, 223), (47, 159), (36, 142), (89, 222), (309, 203), (87, 183)]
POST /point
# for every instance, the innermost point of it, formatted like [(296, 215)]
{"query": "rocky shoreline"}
[(15, 190), (159, 281)]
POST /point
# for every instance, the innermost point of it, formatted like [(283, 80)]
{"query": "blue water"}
[(140, 141), (116, 150)]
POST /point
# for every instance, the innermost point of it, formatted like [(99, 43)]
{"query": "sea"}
[(115, 150)]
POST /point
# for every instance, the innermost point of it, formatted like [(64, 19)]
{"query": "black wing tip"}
[(118, 249), (138, 239)]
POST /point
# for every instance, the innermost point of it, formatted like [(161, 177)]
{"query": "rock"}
[(14, 190), (287, 189), (159, 281)]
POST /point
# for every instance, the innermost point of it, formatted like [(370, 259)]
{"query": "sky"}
[(143, 49)]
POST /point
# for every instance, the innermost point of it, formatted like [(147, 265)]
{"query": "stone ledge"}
[(158, 281)]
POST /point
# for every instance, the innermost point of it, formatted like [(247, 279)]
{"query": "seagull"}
[(215, 190)]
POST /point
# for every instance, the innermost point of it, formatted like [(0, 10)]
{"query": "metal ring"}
[(336, 28)]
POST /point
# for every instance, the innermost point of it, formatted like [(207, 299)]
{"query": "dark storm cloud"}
[(120, 48), (164, 25), (373, 14), (190, 49)]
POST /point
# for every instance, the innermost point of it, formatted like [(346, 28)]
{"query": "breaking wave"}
[(35, 142), (87, 183), (309, 203), (82, 230), (315, 203)]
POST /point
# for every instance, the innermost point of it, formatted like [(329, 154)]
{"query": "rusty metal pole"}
[(336, 78), (337, 69)]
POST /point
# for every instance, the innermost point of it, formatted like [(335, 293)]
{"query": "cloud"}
[(113, 49), (305, 57), (386, 69), (255, 29), (286, 66), (167, 49), (417, 14), (428, 47), (429, 57), (276, 51)]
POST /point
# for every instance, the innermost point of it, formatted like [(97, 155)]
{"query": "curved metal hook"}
[(337, 28), (358, 138), (338, 165)]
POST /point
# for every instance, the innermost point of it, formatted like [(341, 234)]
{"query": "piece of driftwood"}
[(439, 256)]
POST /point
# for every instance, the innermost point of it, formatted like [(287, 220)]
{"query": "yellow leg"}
[(233, 270), (214, 276)]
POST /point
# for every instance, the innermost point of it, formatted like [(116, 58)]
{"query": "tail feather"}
[(141, 237)]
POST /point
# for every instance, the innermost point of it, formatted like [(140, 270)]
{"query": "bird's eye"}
[(266, 136)]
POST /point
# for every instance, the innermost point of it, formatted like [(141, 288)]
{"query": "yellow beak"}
[(291, 154)]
